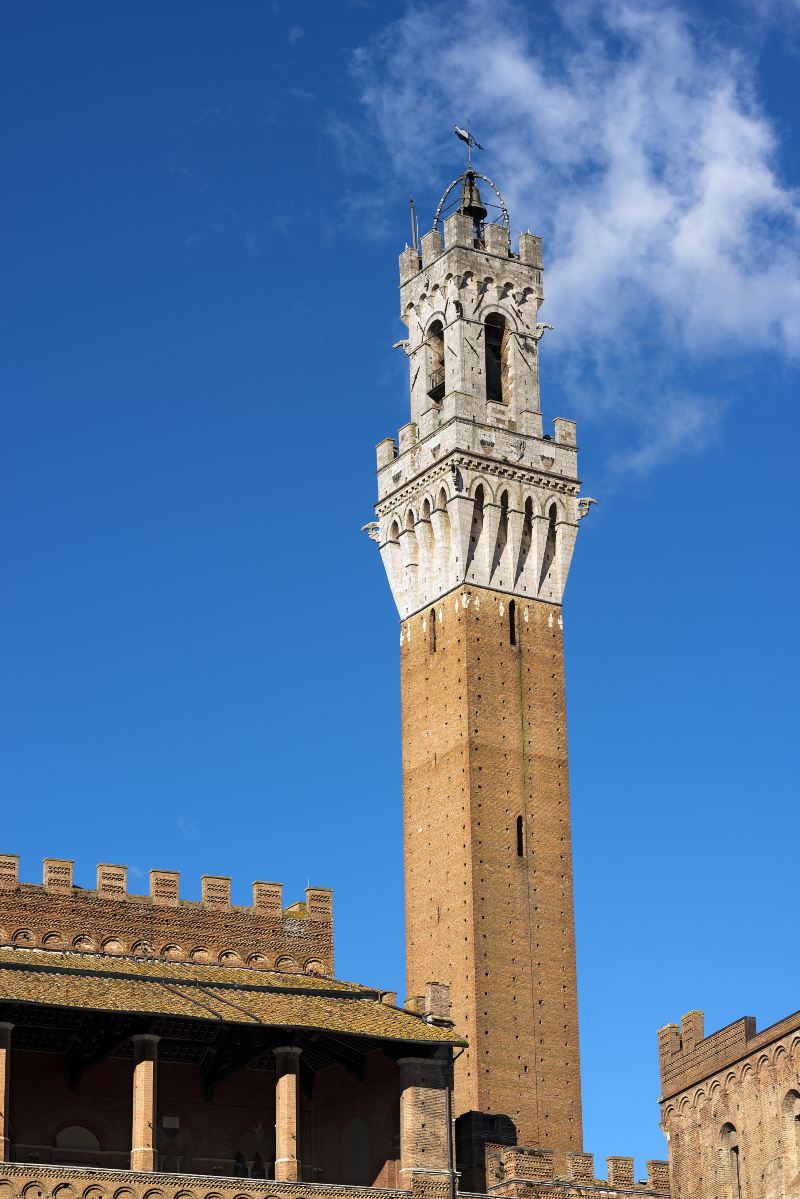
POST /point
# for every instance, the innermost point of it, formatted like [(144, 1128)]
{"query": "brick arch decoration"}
[(54, 1182)]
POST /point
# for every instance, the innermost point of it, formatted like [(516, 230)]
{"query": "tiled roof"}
[(236, 996)]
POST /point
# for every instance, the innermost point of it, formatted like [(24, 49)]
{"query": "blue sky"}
[(202, 212)]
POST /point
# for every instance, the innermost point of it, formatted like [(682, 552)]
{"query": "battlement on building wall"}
[(515, 1171), (459, 234), (57, 914), (686, 1055)]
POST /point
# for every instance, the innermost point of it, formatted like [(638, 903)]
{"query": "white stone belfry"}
[(473, 491)]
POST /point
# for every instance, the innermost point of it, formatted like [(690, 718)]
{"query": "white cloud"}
[(634, 143)]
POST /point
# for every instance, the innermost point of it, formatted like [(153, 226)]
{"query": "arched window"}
[(791, 1138), (78, 1146), (731, 1165), (497, 343), (434, 355)]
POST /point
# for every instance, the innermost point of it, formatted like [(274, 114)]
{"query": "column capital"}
[(288, 1050), (145, 1046), (6, 1026)]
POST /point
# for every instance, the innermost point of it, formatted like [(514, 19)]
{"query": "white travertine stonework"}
[(473, 491)]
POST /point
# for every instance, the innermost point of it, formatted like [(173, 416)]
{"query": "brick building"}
[(146, 1034), (152, 1048), (730, 1108)]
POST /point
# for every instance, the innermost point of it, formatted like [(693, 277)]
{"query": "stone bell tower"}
[(478, 510)]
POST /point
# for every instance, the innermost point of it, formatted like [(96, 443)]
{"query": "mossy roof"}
[(98, 982)]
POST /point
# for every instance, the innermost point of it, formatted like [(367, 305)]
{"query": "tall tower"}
[(478, 510)]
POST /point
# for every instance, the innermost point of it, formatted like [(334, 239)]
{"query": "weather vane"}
[(465, 135)]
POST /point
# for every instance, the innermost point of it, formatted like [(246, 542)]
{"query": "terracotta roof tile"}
[(104, 983)]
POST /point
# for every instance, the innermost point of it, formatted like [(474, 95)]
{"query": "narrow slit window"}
[(520, 838), (432, 630), (512, 623)]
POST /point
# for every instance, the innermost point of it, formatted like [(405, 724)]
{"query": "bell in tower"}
[(471, 203)]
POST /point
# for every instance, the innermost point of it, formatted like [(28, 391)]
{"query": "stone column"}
[(425, 1166), (5, 1088), (145, 1061), (287, 1105)]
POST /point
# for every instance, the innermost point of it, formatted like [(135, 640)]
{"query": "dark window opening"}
[(239, 1166), (434, 351), (512, 623), (496, 340), (520, 838), (432, 630)]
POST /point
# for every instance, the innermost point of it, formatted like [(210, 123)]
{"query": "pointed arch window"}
[(434, 353), (497, 345), (731, 1163), (791, 1138)]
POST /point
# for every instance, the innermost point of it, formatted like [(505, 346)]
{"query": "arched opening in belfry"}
[(731, 1163), (434, 352), (497, 343)]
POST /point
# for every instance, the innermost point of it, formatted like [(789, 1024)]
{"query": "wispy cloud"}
[(295, 33), (222, 218), (186, 826), (635, 143)]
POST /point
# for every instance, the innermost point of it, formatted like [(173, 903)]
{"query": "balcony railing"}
[(436, 384)]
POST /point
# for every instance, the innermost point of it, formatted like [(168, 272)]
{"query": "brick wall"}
[(59, 915), (484, 743)]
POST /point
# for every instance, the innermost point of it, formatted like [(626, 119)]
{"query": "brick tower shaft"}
[(488, 859)]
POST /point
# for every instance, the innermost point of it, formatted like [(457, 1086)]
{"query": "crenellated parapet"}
[(56, 914), (516, 1172)]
